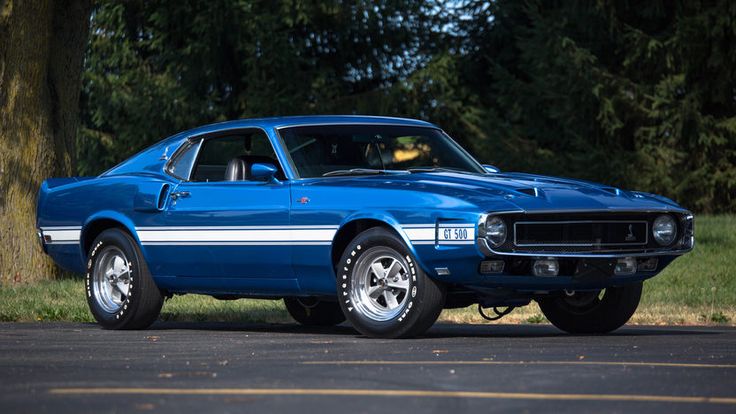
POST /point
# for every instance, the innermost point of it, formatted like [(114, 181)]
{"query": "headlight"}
[(495, 231), (664, 230)]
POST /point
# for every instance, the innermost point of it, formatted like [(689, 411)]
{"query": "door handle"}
[(179, 194)]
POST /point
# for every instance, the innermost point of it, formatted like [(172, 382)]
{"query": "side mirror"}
[(491, 169), (263, 172)]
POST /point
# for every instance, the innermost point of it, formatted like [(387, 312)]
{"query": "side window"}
[(182, 164), (229, 157)]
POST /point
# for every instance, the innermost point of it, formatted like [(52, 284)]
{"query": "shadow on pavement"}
[(440, 330)]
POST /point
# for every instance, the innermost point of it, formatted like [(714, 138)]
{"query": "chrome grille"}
[(583, 233), (587, 233)]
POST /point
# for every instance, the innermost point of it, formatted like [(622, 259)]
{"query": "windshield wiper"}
[(354, 171), (373, 171), (436, 169)]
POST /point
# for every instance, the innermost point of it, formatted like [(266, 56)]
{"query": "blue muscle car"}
[(382, 221)]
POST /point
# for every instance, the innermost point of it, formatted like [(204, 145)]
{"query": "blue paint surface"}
[(300, 214)]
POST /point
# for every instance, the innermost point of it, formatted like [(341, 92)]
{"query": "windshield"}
[(368, 149)]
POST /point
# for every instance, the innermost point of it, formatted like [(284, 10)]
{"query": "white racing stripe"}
[(305, 235), (442, 233), (423, 234), (62, 234), (230, 236), (455, 233), (188, 228), (239, 243)]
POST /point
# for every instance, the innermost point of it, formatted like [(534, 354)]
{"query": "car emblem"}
[(303, 200), (630, 236)]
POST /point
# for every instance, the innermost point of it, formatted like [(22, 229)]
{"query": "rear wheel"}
[(314, 312), (592, 312), (120, 291), (382, 291)]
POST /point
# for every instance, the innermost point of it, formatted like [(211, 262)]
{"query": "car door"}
[(228, 233)]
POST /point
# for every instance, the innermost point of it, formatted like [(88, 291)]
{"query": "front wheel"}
[(592, 312), (382, 291)]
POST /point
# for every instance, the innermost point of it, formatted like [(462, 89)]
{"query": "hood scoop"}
[(612, 190), (533, 191)]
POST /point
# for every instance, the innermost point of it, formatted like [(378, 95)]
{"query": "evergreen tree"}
[(156, 68), (641, 96)]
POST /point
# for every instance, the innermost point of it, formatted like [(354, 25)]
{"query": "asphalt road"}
[(198, 368)]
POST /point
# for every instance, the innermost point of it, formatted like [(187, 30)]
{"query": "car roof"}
[(150, 158), (286, 121), (303, 120)]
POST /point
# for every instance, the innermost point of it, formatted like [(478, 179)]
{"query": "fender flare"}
[(112, 215), (391, 222)]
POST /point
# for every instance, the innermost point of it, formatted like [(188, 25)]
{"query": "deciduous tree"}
[(42, 44)]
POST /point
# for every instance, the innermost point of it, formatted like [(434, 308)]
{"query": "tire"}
[(134, 302), (590, 313), (313, 312), (365, 298)]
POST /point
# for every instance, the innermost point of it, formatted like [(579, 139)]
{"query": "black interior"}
[(239, 168), (230, 158)]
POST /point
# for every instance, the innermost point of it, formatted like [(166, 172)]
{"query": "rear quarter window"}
[(182, 163)]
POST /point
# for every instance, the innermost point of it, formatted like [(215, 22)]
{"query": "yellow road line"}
[(482, 362), (392, 393)]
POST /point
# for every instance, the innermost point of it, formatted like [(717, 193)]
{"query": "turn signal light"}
[(625, 266), (648, 265), (546, 267), (491, 266)]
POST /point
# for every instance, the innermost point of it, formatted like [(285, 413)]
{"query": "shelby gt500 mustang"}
[(382, 221)]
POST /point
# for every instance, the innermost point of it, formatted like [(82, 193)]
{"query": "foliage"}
[(641, 96), (155, 68), (637, 95)]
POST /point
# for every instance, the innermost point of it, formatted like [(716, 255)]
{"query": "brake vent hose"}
[(498, 313)]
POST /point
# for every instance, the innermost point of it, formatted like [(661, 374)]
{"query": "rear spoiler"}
[(58, 182)]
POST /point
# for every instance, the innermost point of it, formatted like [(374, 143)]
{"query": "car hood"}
[(519, 191)]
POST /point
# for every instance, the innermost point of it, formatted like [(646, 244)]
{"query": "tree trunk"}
[(42, 45)]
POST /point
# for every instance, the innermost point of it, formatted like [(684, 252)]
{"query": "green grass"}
[(706, 277), (698, 288), (64, 300), (704, 281)]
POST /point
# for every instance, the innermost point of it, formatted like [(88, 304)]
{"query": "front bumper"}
[(517, 262), (487, 251), (684, 243), (574, 274)]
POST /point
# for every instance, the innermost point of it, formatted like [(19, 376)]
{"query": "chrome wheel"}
[(381, 283), (111, 279), (382, 291)]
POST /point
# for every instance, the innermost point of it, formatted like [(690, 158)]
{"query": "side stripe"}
[(253, 236), (441, 233), (237, 243), (62, 234), (188, 228), (420, 234), (297, 235)]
